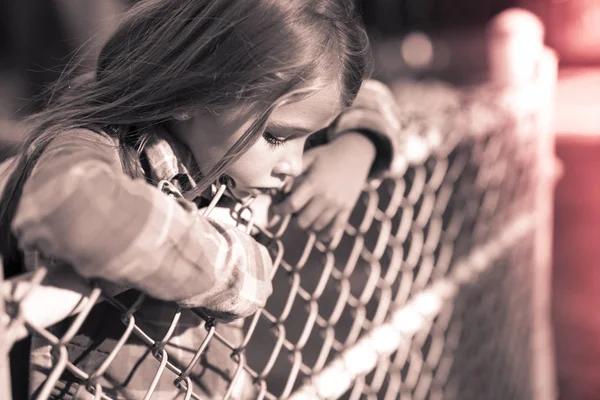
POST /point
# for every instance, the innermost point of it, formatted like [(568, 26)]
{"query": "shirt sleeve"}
[(375, 113), (405, 135), (79, 207)]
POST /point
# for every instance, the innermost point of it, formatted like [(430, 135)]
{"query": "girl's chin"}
[(243, 194), (246, 195)]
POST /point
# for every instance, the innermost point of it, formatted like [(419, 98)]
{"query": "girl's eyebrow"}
[(285, 127)]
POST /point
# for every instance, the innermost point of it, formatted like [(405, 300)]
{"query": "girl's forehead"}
[(310, 114)]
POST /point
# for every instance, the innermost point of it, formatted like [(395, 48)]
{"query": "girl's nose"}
[(290, 166)]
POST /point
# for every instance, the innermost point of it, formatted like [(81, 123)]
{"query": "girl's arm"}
[(374, 138), (80, 208), (375, 114), (364, 142)]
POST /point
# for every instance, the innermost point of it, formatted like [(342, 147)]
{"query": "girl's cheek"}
[(251, 169)]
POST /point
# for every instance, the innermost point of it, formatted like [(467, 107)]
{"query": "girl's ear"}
[(183, 116)]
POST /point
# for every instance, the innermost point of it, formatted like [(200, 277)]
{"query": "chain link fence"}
[(428, 294)]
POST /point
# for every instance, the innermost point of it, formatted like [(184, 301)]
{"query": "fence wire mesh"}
[(426, 295)]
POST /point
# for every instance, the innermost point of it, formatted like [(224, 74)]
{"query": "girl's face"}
[(276, 156)]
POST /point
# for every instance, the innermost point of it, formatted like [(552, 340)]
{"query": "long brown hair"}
[(169, 56)]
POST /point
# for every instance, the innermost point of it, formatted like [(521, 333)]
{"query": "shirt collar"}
[(169, 159)]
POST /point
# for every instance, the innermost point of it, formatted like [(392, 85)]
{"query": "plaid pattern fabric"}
[(79, 208)]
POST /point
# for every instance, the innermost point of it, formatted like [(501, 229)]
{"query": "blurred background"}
[(440, 41)]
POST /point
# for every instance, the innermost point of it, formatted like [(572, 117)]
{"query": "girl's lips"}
[(267, 191), (253, 191)]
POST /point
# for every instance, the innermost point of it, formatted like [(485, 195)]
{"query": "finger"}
[(308, 158), (337, 225), (324, 219), (296, 200), (308, 215)]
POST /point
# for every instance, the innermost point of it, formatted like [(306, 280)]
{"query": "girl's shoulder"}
[(83, 142), (87, 137), (77, 147), (98, 144), (76, 142)]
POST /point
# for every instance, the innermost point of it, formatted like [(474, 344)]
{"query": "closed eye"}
[(272, 140)]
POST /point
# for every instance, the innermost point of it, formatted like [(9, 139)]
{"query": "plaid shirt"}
[(79, 208)]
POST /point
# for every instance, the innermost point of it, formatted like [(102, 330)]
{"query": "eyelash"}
[(272, 140)]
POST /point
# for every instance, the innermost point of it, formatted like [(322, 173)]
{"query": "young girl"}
[(189, 93)]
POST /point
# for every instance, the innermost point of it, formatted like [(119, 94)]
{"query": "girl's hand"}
[(333, 177)]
